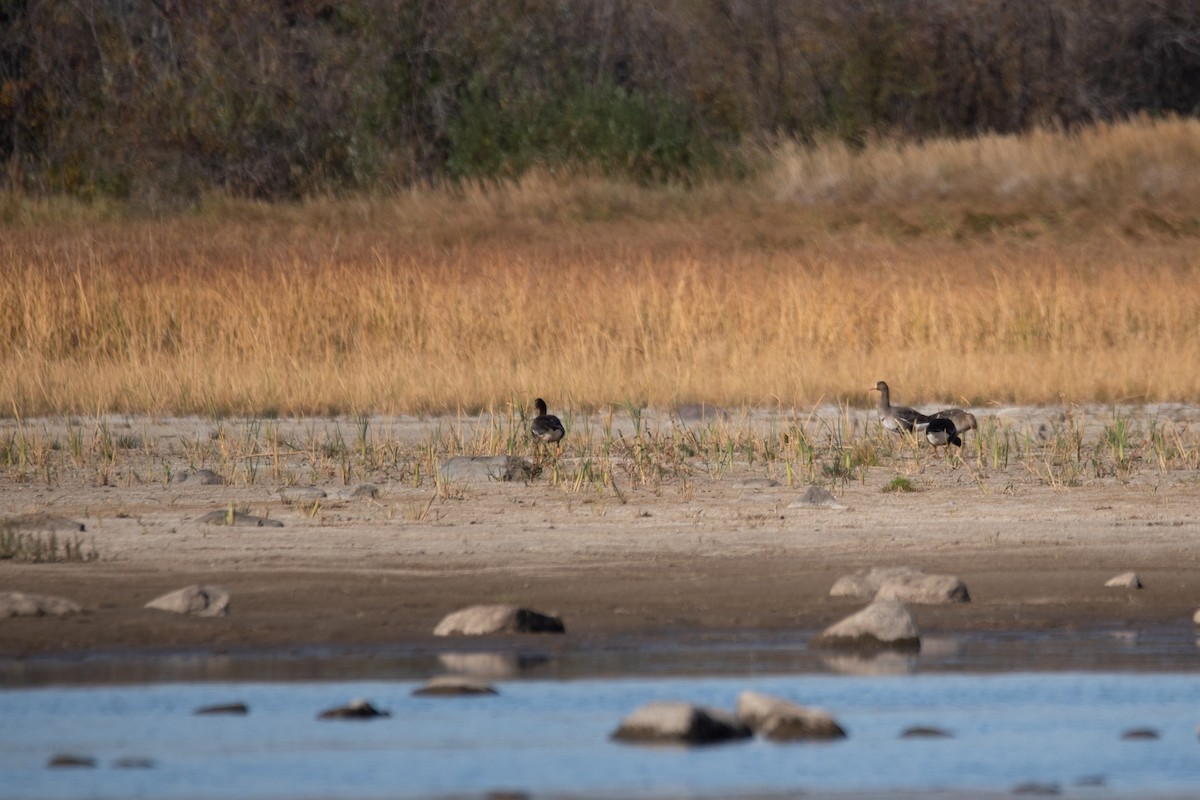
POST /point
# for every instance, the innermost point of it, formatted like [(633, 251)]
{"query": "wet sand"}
[(717, 553)]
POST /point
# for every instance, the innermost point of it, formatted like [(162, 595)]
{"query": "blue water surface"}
[(551, 737)]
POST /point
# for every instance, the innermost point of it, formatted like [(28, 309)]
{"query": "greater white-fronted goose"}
[(900, 419), (940, 431), (546, 428), (963, 420)]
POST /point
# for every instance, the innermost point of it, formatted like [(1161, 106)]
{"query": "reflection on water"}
[(1160, 648), (551, 738)]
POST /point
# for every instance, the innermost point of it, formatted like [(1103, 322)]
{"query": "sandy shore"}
[(719, 552)]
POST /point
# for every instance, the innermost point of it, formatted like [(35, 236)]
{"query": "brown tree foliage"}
[(162, 99)]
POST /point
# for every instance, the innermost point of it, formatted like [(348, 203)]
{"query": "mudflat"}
[(702, 549)]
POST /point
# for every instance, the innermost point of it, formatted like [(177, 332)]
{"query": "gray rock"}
[(303, 495), (1126, 580), (866, 582), (882, 624), (41, 522), (679, 723), (816, 497), (502, 618), (781, 721), (357, 709), (133, 762), (925, 589), (480, 469), (1145, 734), (238, 519), (224, 708), (906, 584), (200, 477), (454, 686), (21, 604), (195, 601), (923, 732)]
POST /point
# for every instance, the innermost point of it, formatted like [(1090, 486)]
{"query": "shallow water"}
[(1046, 708), (1155, 648), (551, 738)]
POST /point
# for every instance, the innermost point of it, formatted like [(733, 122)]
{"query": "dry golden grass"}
[(1028, 269)]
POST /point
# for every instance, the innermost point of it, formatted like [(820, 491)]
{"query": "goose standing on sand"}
[(941, 431), (900, 419), (546, 428), (963, 420)]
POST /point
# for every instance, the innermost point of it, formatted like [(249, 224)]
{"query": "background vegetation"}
[(163, 100), (1049, 267), (242, 206)]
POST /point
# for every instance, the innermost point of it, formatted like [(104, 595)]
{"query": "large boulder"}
[(881, 625), (781, 721), (669, 722), (21, 604), (195, 601), (502, 618), (906, 584)]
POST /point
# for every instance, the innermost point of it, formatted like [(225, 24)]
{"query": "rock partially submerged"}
[(782, 721), (226, 516), (906, 584), (21, 604), (1145, 734), (234, 709), (668, 722), (454, 686), (357, 709), (1126, 580), (480, 469), (195, 601), (882, 624), (502, 618), (924, 732)]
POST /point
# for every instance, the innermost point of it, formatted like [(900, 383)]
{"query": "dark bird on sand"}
[(941, 431), (546, 428), (963, 420)]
